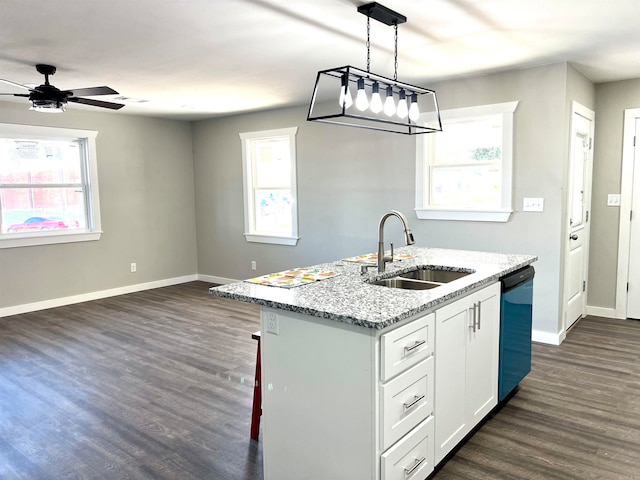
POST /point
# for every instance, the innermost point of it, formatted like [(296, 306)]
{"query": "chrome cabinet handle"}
[(417, 344), (414, 467), (473, 318), (479, 315), (414, 402)]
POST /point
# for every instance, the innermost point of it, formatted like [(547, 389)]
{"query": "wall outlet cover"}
[(533, 204), (272, 323)]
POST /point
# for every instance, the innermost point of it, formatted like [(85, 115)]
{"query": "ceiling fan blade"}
[(90, 92), (96, 103), (15, 84), (17, 94)]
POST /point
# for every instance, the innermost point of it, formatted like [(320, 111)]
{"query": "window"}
[(48, 186), (465, 171), (269, 166)]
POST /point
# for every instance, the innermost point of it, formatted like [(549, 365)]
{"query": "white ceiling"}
[(194, 59)]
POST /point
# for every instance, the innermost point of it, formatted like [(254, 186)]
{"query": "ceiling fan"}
[(47, 98)]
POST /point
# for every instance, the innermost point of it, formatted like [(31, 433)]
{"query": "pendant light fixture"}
[(381, 103)]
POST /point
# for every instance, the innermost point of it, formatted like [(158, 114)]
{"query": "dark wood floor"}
[(158, 385)]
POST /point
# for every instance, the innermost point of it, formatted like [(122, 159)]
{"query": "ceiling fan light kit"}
[(47, 98), (380, 103)]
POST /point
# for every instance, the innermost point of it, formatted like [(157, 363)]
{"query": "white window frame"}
[(502, 214), (250, 232), (90, 184)]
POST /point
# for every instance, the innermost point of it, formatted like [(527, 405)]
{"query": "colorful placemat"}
[(373, 258), (293, 278)]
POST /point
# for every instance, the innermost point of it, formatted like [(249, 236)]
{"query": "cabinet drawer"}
[(405, 401), (406, 346), (412, 457)]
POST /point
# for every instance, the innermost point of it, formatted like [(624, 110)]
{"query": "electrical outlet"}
[(254, 265), (134, 268), (272, 323)]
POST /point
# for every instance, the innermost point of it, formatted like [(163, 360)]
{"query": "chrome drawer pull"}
[(409, 471), (416, 399), (418, 343)]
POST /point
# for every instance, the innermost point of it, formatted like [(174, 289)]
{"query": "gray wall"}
[(147, 201), (347, 178), (612, 99)]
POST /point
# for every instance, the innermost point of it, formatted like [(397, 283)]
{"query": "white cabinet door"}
[(466, 356), (450, 385), (482, 355)]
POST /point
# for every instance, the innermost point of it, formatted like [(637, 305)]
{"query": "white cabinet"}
[(466, 365), (346, 402)]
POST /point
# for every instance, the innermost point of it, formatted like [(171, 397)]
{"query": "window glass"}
[(46, 192), (270, 186), (464, 172)]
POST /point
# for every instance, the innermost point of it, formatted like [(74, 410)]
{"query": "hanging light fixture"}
[(405, 108)]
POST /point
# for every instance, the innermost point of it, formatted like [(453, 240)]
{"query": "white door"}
[(633, 293), (579, 205)]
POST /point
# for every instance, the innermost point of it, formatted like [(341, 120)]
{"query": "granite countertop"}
[(348, 297)]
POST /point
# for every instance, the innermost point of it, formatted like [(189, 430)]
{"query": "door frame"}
[(581, 110), (626, 197)]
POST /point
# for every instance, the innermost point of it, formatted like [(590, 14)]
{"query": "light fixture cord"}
[(368, 43), (395, 60)]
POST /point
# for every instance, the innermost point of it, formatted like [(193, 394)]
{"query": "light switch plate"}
[(613, 200), (533, 204)]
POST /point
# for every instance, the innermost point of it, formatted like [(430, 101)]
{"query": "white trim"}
[(626, 197), (602, 312), (85, 297), (278, 240), (92, 193), (425, 212), (540, 336), (49, 238), (467, 214), (215, 279), (247, 187)]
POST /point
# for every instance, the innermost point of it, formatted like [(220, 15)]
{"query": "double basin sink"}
[(424, 278)]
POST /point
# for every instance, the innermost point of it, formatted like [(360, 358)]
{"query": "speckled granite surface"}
[(349, 298)]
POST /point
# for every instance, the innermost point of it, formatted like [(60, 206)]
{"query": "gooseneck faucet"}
[(408, 237)]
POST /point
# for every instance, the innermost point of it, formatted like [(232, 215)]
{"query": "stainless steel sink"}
[(407, 284), (435, 275), (422, 278)]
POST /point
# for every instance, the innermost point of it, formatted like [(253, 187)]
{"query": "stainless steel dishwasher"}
[(515, 329)]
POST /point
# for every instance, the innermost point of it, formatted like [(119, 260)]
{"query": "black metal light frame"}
[(324, 106)]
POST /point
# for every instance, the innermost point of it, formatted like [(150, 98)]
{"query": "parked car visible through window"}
[(42, 223)]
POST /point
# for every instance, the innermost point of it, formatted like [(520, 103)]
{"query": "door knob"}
[(574, 237)]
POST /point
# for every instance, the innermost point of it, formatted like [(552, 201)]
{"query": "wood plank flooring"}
[(151, 385), (158, 385)]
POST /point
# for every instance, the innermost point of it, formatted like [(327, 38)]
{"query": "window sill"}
[(277, 240), (468, 215), (12, 241)]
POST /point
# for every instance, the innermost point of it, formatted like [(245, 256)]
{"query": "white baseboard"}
[(549, 338), (601, 312), (214, 279), (85, 297)]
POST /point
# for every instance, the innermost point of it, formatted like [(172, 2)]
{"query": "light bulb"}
[(376, 100), (414, 111), (362, 102), (389, 104), (403, 110), (345, 99)]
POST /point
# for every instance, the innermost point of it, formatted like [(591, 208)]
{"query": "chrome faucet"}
[(408, 237)]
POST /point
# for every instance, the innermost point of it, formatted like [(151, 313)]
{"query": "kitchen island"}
[(363, 381)]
